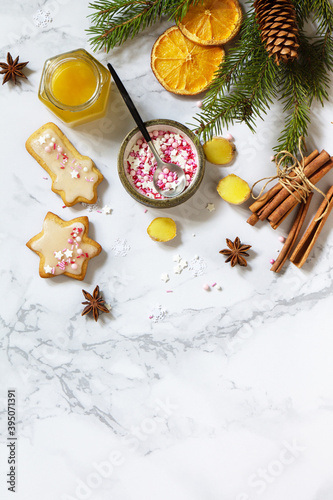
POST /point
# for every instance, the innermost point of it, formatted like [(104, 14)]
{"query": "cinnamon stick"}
[(289, 203), (310, 236), (309, 170), (260, 202), (292, 236), (253, 219), (275, 226)]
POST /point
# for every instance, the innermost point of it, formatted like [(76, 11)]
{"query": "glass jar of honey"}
[(75, 87)]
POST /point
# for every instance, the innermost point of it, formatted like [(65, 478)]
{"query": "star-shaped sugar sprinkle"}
[(41, 140), (58, 255), (146, 167), (177, 258), (183, 263), (177, 269), (165, 277), (74, 174), (135, 162), (69, 253), (106, 209), (210, 207), (48, 269)]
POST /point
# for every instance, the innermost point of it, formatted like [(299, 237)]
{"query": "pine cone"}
[(278, 28)]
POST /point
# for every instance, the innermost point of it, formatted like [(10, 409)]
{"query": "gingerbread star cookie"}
[(64, 247), (74, 177)]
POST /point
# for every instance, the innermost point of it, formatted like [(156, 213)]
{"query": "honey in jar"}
[(75, 87)]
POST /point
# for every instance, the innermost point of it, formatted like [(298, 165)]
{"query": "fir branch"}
[(114, 21), (223, 112), (316, 76), (118, 20), (248, 75), (296, 100), (236, 59)]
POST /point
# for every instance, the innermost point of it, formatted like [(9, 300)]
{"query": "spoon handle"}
[(129, 103)]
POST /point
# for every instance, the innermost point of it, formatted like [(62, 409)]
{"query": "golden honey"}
[(75, 87)]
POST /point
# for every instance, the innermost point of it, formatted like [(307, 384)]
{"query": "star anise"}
[(94, 303), (236, 252), (12, 69)]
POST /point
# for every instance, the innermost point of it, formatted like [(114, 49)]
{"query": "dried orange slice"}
[(212, 22), (181, 66)]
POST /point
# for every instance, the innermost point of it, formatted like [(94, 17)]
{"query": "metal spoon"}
[(181, 180)]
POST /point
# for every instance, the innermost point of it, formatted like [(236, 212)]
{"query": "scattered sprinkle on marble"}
[(181, 265), (177, 269), (214, 284), (165, 277), (210, 207), (199, 104), (229, 137), (177, 258), (272, 158), (64, 206), (106, 209), (42, 18), (158, 314), (272, 261), (120, 247), (282, 239), (206, 287), (219, 288), (169, 291), (197, 265), (146, 210), (193, 235), (91, 208), (45, 178)]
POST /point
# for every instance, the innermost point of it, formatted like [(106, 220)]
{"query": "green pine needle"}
[(114, 21)]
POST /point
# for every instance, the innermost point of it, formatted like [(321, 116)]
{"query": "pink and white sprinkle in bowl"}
[(175, 144)]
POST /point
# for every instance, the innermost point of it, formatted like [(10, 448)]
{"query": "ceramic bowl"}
[(165, 125)]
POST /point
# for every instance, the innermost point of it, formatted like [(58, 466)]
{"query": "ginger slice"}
[(233, 189), (162, 229), (219, 151)]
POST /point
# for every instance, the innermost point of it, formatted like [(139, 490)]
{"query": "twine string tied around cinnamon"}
[(298, 184)]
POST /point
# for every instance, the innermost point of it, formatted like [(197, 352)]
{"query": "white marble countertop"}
[(225, 394)]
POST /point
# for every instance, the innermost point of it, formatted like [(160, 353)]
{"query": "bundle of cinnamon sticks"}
[(277, 203)]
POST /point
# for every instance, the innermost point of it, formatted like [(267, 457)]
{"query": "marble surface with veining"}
[(180, 393)]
